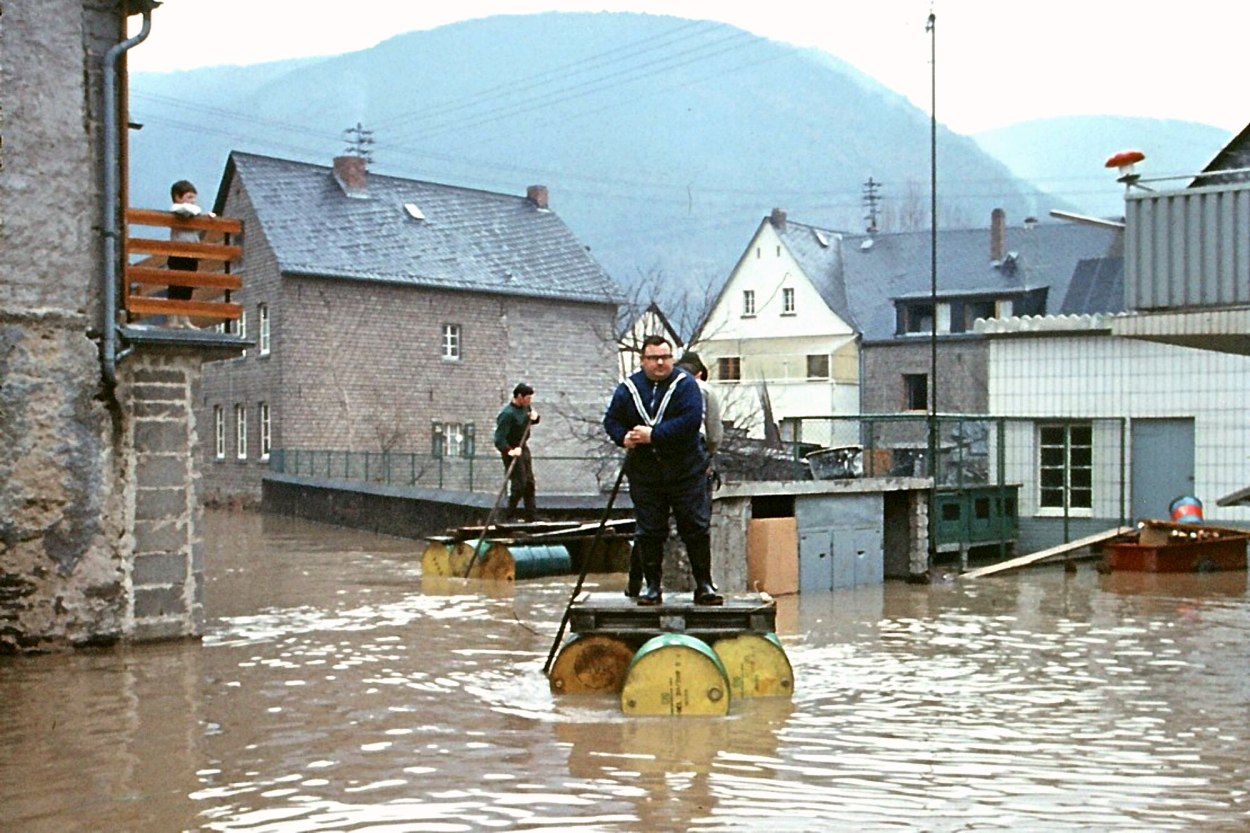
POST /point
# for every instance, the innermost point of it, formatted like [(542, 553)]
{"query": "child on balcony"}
[(184, 195)]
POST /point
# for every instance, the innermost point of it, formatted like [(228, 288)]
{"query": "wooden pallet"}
[(613, 614)]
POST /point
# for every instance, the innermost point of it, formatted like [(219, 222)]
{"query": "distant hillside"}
[(1065, 156), (662, 141)]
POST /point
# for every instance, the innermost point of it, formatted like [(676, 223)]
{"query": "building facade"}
[(396, 316)]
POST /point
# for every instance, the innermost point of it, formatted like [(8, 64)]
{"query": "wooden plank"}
[(143, 305), (1042, 555), (167, 219), (199, 251), (181, 277)]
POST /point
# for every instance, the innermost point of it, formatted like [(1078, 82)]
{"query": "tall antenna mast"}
[(872, 201), (358, 141)]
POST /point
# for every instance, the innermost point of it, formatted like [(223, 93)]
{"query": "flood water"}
[(333, 691)]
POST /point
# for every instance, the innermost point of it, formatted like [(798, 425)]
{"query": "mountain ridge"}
[(662, 140)]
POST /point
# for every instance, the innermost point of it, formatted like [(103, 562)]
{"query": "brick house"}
[(387, 312)]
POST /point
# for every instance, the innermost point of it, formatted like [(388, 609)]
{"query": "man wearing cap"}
[(512, 429), (656, 414)]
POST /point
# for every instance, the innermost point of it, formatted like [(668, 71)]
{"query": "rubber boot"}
[(700, 554), (651, 554), (634, 585)]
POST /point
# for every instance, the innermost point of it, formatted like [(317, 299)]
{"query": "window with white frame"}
[(240, 432), (262, 324), (818, 366), (451, 342), (1066, 466), (787, 301), (748, 302), (262, 411), (453, 439), (219, 432)]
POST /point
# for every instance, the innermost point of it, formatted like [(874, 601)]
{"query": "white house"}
[(779, 336)]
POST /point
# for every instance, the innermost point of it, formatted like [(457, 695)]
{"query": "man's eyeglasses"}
[(666, 357)]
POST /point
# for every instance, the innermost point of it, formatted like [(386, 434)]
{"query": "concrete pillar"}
[(166, 575), (918, 505)]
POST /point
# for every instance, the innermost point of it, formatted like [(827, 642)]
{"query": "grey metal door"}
[(1163, 466), (815, 560)]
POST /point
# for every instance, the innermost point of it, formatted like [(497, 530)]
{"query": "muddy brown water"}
[(334, 690)]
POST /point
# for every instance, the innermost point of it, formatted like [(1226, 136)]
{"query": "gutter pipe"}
[(112, 164)]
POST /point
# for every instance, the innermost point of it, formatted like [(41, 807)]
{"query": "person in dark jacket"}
[(656, 415), (512, 439)]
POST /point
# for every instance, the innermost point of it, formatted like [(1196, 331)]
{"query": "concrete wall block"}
[(162, 535), (161, 436), (173, 409), (168, 568), (160, 504), (161, 472), (158, 393), (160, 602), (158, 630), (158, 375)]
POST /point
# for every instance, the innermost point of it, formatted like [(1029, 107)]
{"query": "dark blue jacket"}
[(674, 409)]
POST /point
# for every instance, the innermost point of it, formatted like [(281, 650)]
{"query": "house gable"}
[(769, 295)]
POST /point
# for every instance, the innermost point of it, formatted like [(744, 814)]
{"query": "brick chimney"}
[(778, 219), (998, 234), (537, 194), (350, 174)]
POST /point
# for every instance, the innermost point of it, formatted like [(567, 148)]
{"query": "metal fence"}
[(1069, 475), (478, 473)]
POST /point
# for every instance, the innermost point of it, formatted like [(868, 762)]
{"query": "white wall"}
[(1090, 374)]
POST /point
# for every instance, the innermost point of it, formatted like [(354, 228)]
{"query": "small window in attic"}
[(821, 239), (413, 211)]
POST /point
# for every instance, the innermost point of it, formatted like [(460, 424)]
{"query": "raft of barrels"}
[(675, 659), (512, 552)]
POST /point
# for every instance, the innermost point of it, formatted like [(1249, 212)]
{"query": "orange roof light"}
[(1125, 160)]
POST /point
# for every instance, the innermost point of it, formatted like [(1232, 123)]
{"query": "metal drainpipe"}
[(112, 230)]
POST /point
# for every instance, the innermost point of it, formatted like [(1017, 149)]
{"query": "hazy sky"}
[(999, 62)]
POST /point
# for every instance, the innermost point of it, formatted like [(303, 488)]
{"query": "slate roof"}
[(469, 240), (859, 283)]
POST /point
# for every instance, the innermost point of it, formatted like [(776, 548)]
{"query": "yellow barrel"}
[(756, 664), (436, 560), (675, 674), (591, 664)]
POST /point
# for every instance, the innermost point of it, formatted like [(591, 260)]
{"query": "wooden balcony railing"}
[(147, 281)]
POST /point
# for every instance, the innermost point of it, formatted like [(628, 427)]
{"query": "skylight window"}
[(820, 238), (413, 211)]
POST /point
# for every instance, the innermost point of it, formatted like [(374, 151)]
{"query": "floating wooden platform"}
[(673, 659), (614, 614)]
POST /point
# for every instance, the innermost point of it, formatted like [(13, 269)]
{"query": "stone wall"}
[(73, 447)]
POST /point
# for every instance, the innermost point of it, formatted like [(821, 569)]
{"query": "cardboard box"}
[(773, 555)]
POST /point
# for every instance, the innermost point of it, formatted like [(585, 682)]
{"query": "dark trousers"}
[(186, 264), (521, 482), (685, 499)]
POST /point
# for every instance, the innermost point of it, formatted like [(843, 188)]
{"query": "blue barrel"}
[(541, 560), (1186, 510)]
